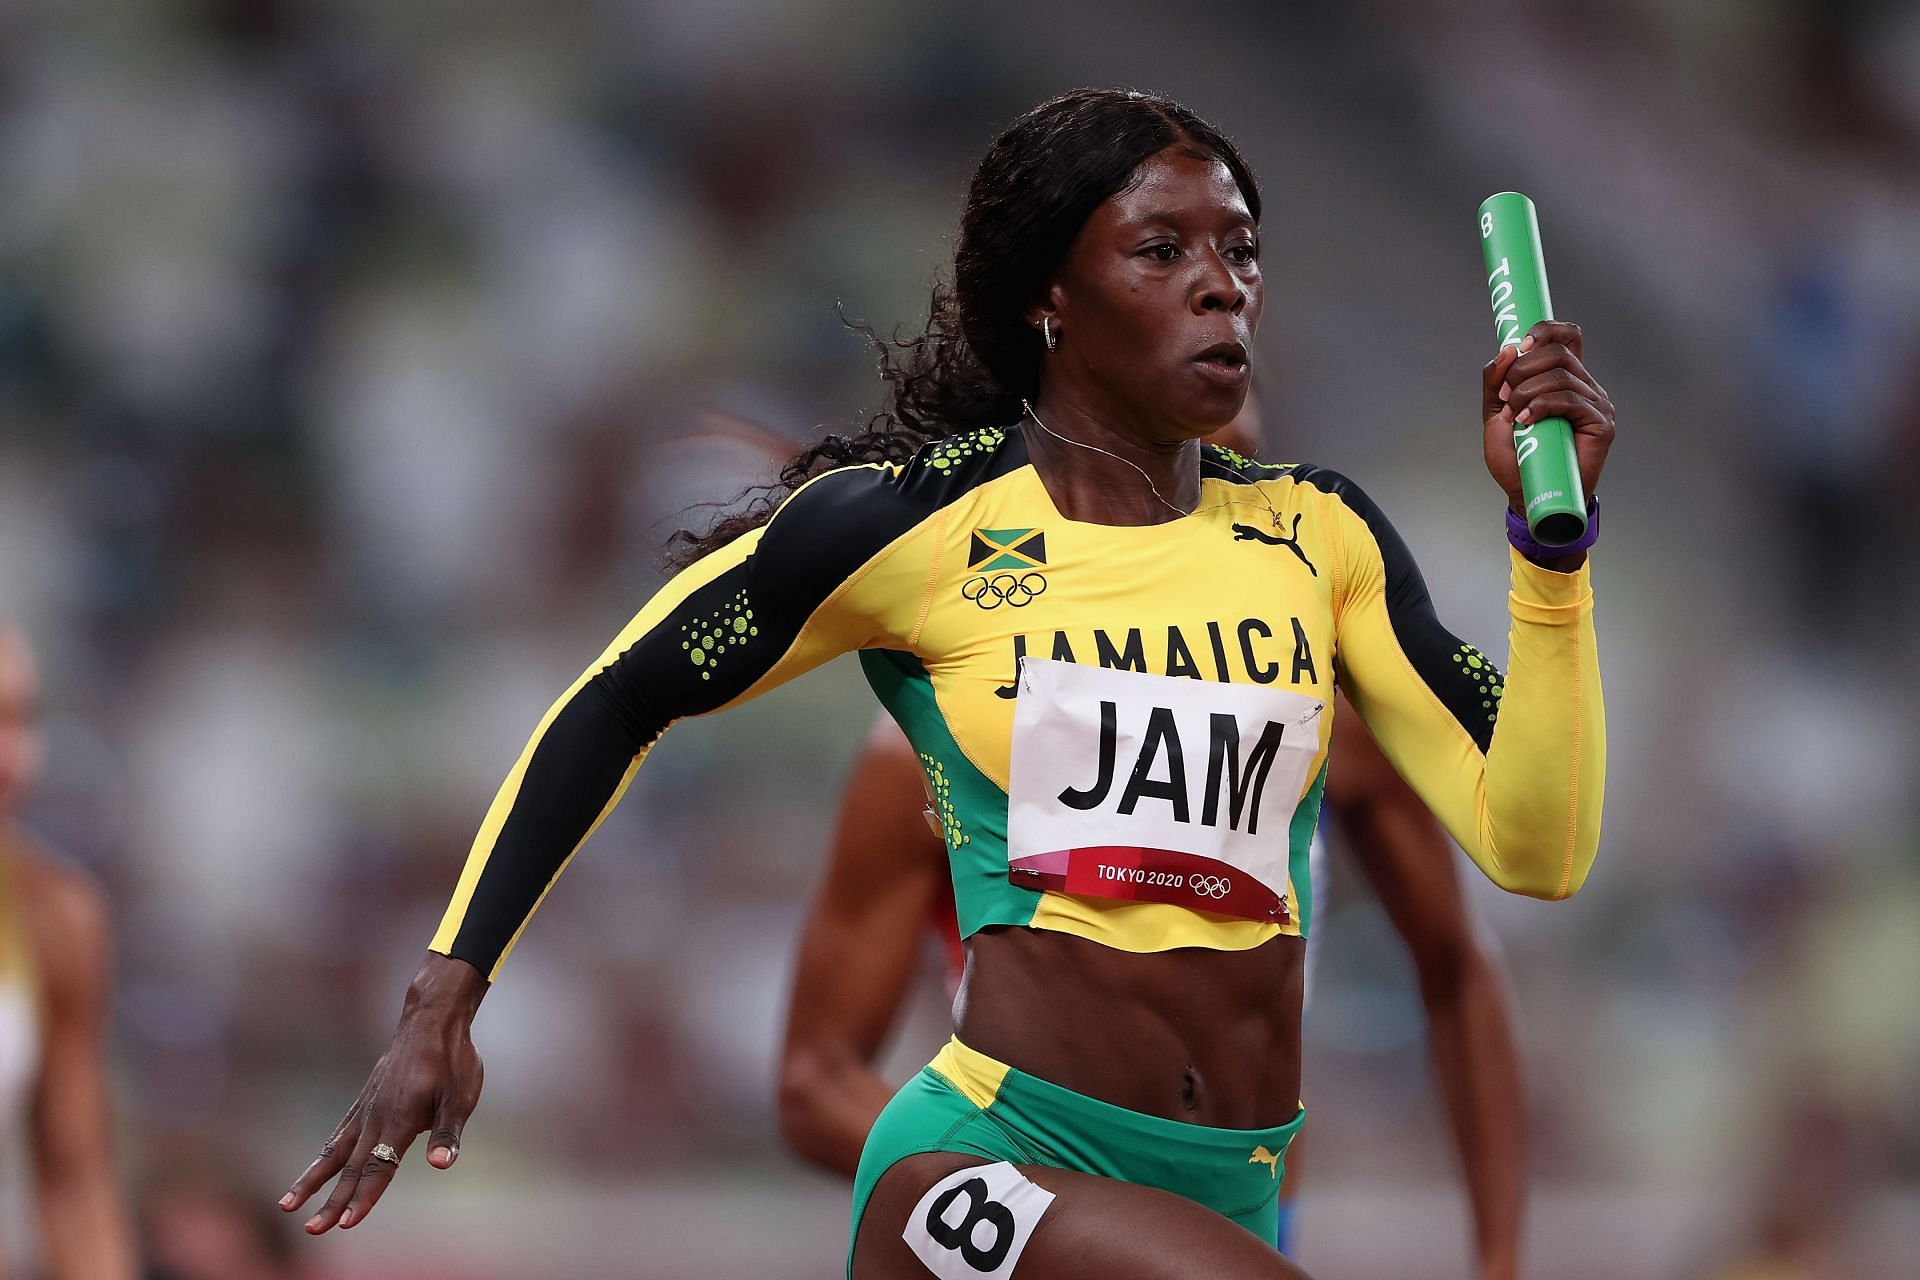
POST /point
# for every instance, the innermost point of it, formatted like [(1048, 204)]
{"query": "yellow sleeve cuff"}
[(1542, 595)]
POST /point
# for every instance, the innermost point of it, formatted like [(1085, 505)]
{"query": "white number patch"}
[(974, 1223), (1128, 785)]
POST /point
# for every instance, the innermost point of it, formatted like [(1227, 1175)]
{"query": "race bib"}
[(1157, 788), (974, 1223)]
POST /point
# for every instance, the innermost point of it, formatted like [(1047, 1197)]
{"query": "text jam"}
[(1160, 771)]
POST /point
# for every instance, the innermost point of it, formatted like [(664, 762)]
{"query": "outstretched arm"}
[(1408, 860), (84, 1225), (819, 579), (858, 954)]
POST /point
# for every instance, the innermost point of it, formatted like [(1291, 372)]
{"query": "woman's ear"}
[(1046, 307), (1047, 303)]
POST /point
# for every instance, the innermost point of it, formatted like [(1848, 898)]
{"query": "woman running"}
[(1113, 649), (55, 990), (885, 891)]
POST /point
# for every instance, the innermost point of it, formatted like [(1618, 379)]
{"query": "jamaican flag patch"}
[(1016, 549)]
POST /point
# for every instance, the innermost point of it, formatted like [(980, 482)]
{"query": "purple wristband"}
[(1522, 538)]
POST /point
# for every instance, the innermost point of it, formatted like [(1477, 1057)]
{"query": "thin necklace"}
[(1154, 489), (1097, 449)]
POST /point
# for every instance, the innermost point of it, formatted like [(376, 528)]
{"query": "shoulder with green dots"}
[(865, 507), (840, 520), (950, 454), (1217, 462)]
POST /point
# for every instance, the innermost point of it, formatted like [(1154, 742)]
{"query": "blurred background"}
[(356, 360)]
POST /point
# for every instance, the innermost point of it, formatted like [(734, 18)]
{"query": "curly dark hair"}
[(978, 358)]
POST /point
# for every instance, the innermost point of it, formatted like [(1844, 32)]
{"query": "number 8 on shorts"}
[(973, 1223)]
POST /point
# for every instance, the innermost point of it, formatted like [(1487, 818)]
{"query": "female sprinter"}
[(1114, 649), (886, 890)]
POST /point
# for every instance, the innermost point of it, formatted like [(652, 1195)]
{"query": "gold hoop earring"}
[(1046, 333)]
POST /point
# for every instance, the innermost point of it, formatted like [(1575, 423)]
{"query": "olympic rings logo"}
[(1210, 886), (1015, 590)]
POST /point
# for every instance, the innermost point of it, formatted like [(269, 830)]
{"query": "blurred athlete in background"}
[(885, 890), (55, 986)]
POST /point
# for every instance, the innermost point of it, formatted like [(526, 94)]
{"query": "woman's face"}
[(1158, 299)]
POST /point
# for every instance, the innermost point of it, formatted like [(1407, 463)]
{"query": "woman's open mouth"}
[(1224, 363)]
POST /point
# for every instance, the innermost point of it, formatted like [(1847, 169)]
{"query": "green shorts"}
[(965, 1101)]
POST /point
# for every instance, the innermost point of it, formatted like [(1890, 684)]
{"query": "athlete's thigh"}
[(1090, 1226)]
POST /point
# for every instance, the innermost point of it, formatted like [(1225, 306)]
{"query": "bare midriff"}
[(1205, 1037)]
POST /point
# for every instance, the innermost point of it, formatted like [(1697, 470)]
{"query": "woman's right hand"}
[(428, 1080)]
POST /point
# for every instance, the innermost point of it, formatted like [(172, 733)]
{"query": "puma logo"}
[(1244, 532), (1268, 1158)]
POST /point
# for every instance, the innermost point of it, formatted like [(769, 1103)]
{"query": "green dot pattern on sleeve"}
[(942, 788), (705, 640), (1486, 677), (949, 452)]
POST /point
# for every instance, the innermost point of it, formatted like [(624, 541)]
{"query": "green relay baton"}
[(1556, 507)]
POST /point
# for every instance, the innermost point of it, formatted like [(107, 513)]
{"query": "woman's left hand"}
[(1543, 378)]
